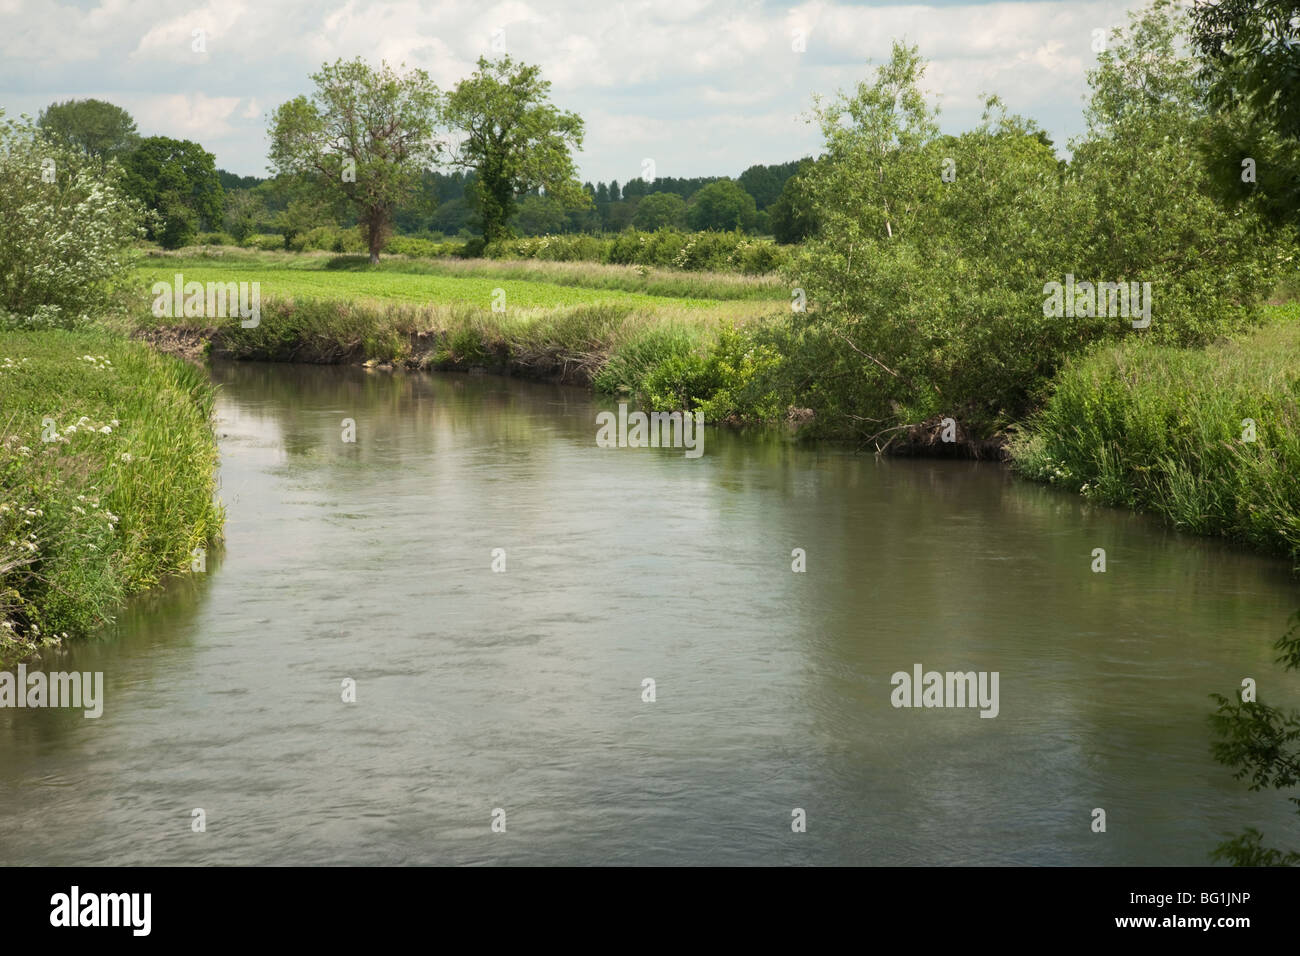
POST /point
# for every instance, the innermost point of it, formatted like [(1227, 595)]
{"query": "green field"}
[(436, 284)]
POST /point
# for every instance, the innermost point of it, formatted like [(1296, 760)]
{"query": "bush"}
[(422, 248), (66, 229), (216, 239), (264, 242)]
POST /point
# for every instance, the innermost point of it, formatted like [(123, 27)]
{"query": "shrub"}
[(66, 228), (264, 242), (422, 248)]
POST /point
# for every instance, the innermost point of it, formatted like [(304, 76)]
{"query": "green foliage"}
[(738, 379), (119, 496), (721, 206), (423, 248), (665, 248), (1250, 52), (263, 242), (65, 230), (514, 140), (792, 216), (177, 180), (1260, 742), (630, 365), (362, 140), (539, 215), (1161, 428), (91, 127), (660, 211), (927, 280)]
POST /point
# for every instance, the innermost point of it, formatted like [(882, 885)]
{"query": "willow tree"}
[(363, 139), (514, 140)]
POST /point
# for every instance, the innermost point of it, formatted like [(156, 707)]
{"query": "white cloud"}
[(710, 87)]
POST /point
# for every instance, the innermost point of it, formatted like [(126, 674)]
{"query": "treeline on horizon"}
[(759, 201), (179, 181)]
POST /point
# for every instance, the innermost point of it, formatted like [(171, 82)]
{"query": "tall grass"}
[(1166, 429), (107, 459)]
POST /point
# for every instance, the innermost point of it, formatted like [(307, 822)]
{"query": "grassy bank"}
[(1164, 429), (107, 460), (578, 323)]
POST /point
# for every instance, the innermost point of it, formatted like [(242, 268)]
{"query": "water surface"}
[(522, 690)]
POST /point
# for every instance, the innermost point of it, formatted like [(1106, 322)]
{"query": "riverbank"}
[(1129, 425), (1209, 439), (107, 474)]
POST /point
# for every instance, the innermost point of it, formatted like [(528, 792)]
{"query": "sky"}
[(698, 88)]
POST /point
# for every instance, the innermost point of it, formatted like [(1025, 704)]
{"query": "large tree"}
[(177, 179), (91, 127), (514, 139), (364, 138)]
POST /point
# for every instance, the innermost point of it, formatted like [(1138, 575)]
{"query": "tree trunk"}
[(376, 239)]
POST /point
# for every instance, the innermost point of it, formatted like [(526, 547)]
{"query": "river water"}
[(521, 691)]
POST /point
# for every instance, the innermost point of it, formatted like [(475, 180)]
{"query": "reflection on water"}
[(522, 690)]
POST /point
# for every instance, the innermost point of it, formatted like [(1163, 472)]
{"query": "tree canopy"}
[(514, 140), (92, 127), (362, 139)]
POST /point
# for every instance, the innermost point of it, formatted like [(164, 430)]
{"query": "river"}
[(521, 691)]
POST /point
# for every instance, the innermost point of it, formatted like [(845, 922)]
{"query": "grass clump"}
[(1170, 430), (107, 459)]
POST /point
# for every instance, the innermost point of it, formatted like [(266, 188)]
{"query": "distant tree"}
[(452, 216), (244, 209), (514, 140), (234, 181), (618, 216), (636, 188), (660, 210), (362, 140), (614, 194), (602, 193), (541, 215), (761, 183), (177, 179), (720, 206), (1260, 742), (92, 127), (303, 214), (793, 217)]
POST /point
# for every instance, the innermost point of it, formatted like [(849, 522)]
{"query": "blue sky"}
[(701, 88)]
